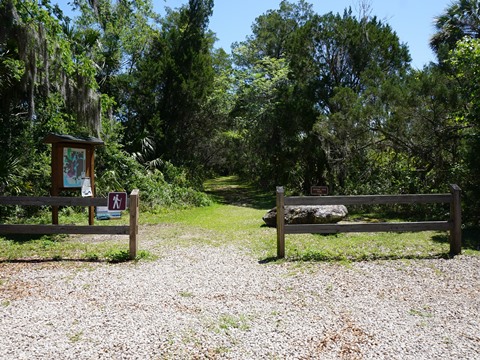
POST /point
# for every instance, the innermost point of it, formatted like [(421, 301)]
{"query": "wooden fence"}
[(453, 225), (131, 229)]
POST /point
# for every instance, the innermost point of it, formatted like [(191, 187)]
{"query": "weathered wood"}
[(56, 181), (134, 211), (280, 223), (367, 227), (52, 201), (456, 219), (368, 199), (61, 138), (55, 201), (454, 225), (91, 174), (63, 229)]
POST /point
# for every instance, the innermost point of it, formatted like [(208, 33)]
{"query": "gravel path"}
[(210, 302)]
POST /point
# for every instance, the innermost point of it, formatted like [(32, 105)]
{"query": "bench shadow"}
[(52, 260), (319, 257)]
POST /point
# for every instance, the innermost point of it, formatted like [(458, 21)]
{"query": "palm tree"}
[(460, 19)]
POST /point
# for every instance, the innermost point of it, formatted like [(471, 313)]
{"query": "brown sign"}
[(319, 190), (117, 201)]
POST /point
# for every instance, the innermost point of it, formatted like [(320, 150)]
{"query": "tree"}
[(356, 60), (170, 89), (47, 90), (318, 126), (115, 35), (264, 150), (460, 19), (274, 109), (422, 137), (465, 63), (456, 43)]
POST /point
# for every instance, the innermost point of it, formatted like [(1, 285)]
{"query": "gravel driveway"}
[(215, 302)]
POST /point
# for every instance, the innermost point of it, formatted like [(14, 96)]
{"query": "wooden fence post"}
[(134, 209), (456, 220), (280, 222)]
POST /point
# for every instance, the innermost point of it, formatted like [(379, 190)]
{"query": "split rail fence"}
[(131, 229), (453, 225)]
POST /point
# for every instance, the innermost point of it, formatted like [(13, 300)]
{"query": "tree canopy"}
[(306, 99)]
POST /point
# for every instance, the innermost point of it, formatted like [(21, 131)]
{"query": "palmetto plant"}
[(9, 178)]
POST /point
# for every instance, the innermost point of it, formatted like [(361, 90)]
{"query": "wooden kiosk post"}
[(72, 161)]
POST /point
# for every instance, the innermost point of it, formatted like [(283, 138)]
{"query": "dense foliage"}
[(307, 99)]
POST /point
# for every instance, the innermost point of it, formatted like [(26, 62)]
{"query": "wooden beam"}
[(367, 227), (454, 225), (368, 199), (64, 229), (131, 230), (52, 201)]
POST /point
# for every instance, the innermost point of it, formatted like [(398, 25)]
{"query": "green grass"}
[(235, 220), (60, 248), (75, 337), (64, 248), (366, 246), (231, 190), (220, 225), (227, 322), (241, 225)]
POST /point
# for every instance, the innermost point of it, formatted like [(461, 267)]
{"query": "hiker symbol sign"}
[(117, 201)]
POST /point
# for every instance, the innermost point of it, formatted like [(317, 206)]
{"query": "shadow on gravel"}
[(52, 260), (113, 260), (269, 260), (319, 257)]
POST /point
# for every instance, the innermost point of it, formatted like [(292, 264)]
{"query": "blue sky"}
[(412, 20)]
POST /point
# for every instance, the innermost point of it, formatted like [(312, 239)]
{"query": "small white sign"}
[(86, 187)]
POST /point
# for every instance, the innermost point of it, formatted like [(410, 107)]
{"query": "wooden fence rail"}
[(453, 225), (131, 229)]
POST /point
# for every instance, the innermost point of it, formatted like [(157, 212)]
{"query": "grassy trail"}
[(234, 219)]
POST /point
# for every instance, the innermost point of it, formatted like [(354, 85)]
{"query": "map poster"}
[(74, 164)]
